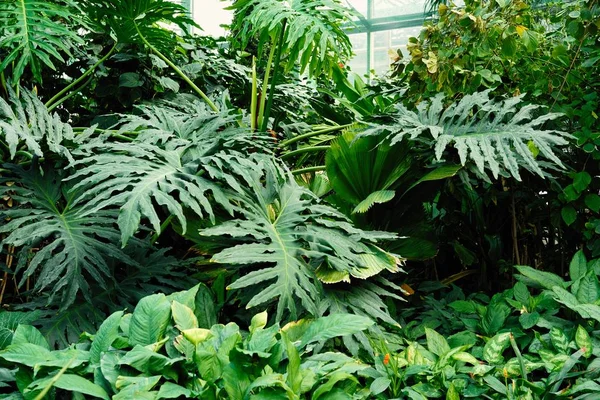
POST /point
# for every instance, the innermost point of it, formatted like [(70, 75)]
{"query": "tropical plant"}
[(161, 350), (35, 34), (498, 136), (303, 30)]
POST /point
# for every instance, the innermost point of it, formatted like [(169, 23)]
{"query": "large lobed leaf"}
[(313, 29), (295, 240), (497, 135), (58, 240), (36, 33)]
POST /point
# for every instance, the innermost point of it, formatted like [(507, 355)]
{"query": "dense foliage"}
[(199, 182)]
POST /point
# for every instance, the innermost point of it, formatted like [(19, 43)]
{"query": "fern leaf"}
[(35, 33), (67, 244), (495, 135), (285, 229)]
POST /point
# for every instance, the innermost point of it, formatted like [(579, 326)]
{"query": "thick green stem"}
[(163, 226), (73, 93), (253, 117), (309, 169), (81, 78), (312, 149), (3, 82), (178, 71), (276, 69), (265, 84), (311, 134)]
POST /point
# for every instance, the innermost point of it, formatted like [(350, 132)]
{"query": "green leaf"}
[(521, 293), (560, 341), (581, 181), (130, 80), (477, 128), (494, 317), (443, 172), (283, 230), (148, 362), (493, 349), (106, 335), (495, 384), (547, 280), (528, 320), (584, 342), (509, 46), (436, 343), (183, 316), (569, 214), (378, 197), (592, 201), (589, 289), (149, 320), (235, 381), (578, 266), (294, 376), (259, 321), (335, 325), (27, 354), (71, 383), (74, 245), (379, 385), (169, 390), (29, 334), (36, 33), (452, 393)]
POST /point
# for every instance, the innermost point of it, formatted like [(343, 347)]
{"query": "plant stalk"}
[(276, 69), (313, 133), (309, 169), (265, 83), (178, 71), (67, 97), (253, 116), (311, 149), (81, 78)]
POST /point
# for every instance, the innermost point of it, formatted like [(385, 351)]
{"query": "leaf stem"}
[(309, 169), (67, 97), (81, 78), (311, 149), (313, 133), (276, 69), (178, 71), (253, 116), (265, 83)]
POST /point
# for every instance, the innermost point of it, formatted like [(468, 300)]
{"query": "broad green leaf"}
[(493, 349), (335, 325), (569, 215), (452, 393), (592, 201), (27, 354), (259, 321), (443, 172), (584, 342), (581, 181), (106, 335), (379, 385), (588, 290), (293, 374), (528, 320), (436, 343), (29, 334), (495, 384), (149, 320), (547, 280), (521, 293), (494, 317), (148, 362), (560, 341), (235, 381), (578, 266), (465, 357), (169, 390), (183, 316), (71, 383)]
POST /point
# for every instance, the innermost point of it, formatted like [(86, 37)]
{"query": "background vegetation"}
[(159, 191)]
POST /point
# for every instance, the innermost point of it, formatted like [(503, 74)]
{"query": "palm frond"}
[(314, 32), (501, 136), (295, 240), (35, 33), (60, 243)]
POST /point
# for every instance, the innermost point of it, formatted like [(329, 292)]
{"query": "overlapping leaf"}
[(497, 135), (282, 226), (58, 240), (35, 33)]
